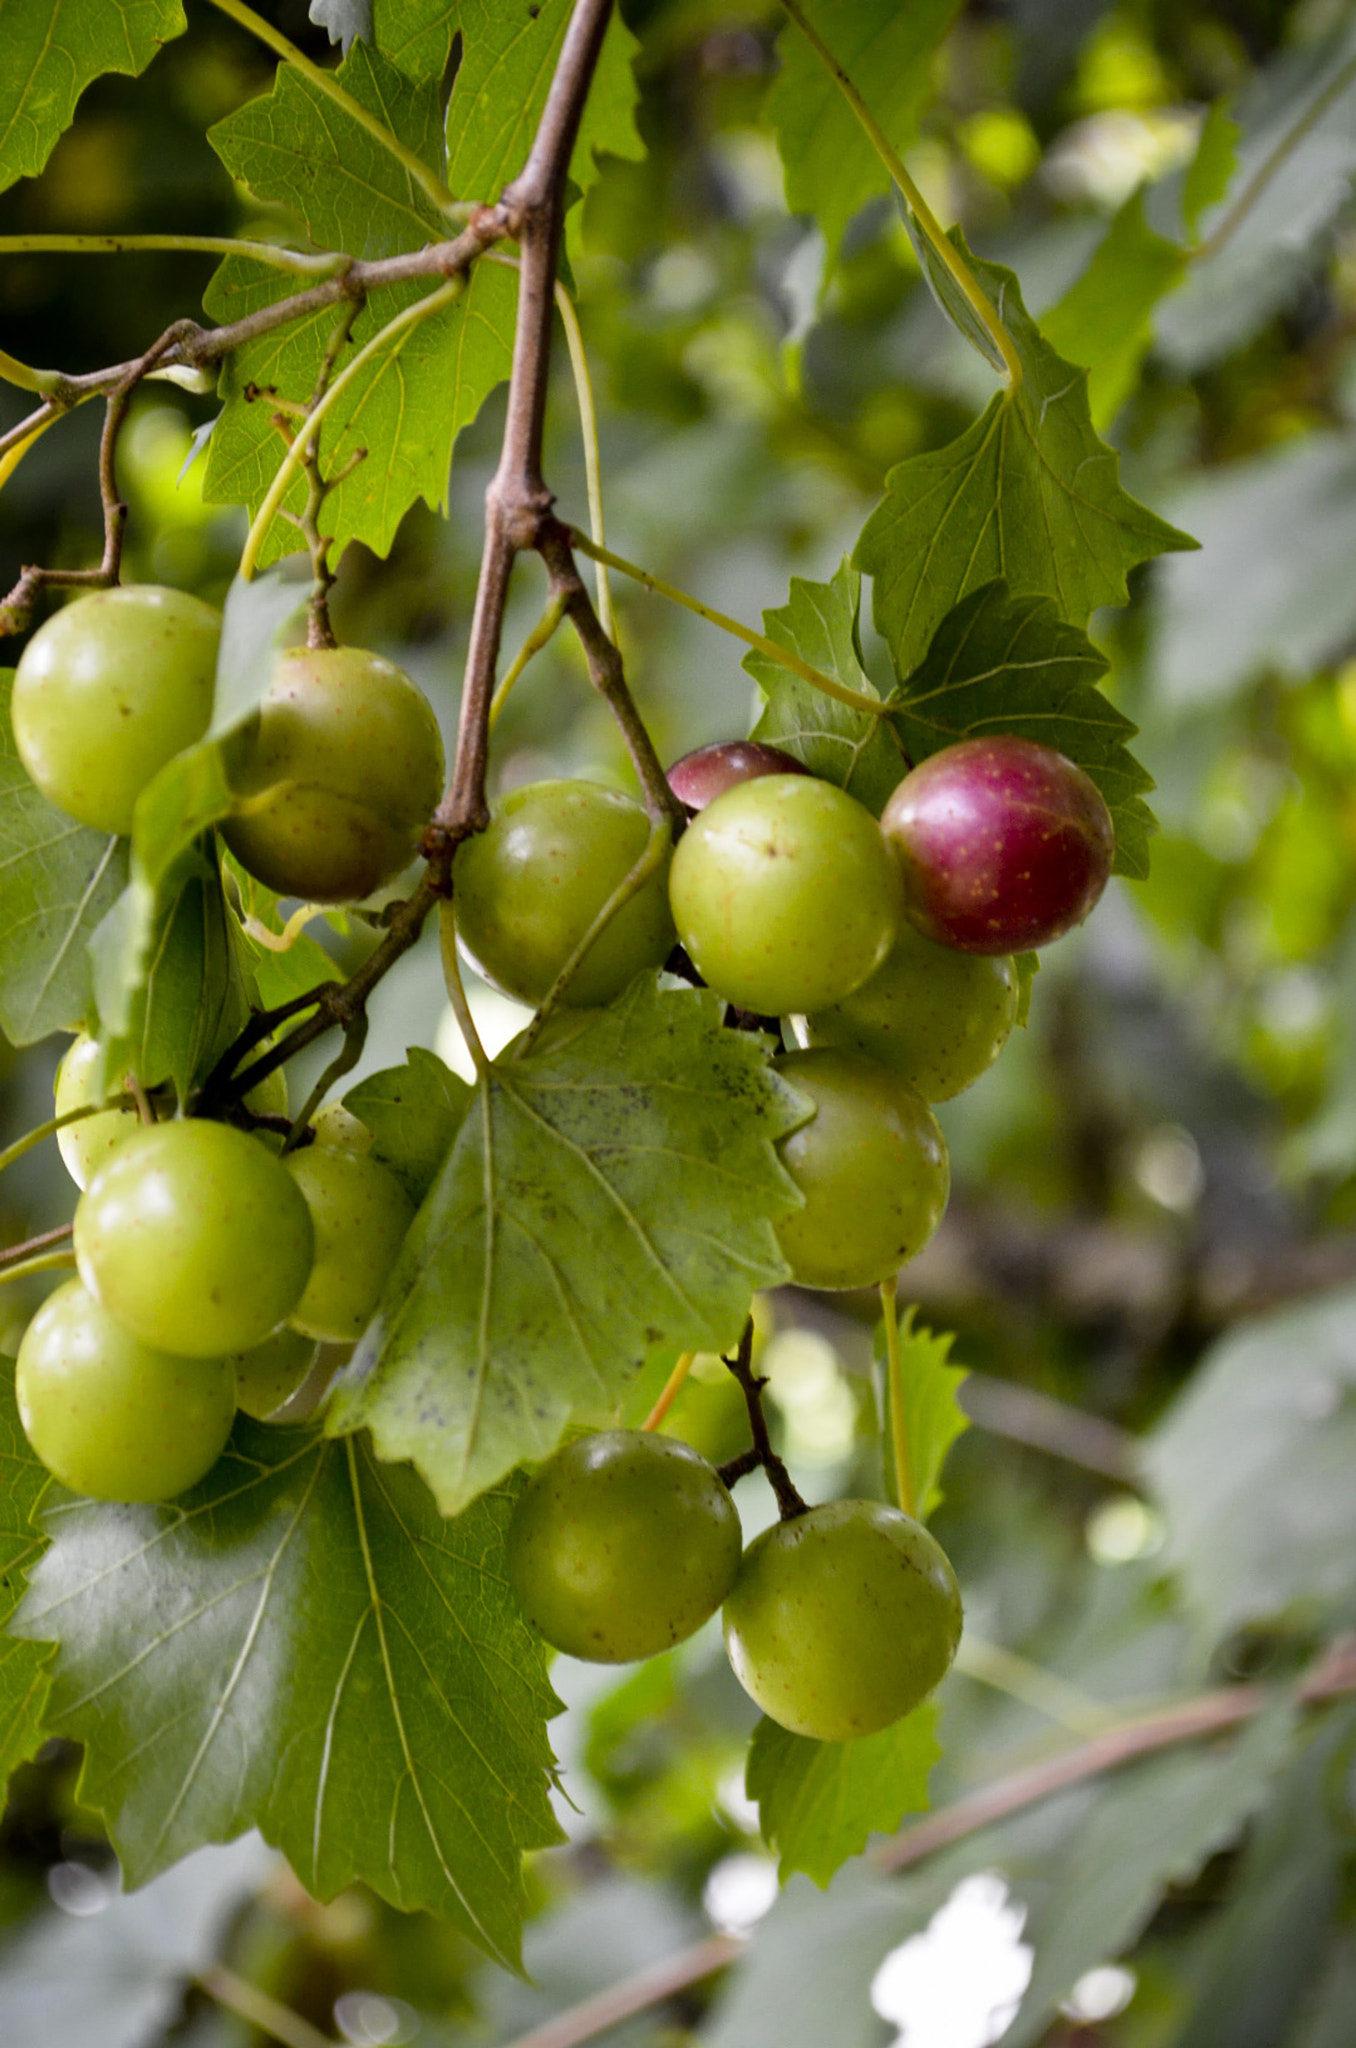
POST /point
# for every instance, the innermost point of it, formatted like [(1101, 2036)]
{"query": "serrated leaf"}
[(1105, 320), (57, 882), (303, 1645), (830, 163), (933, 1418), (1252, 1464), (1004, 664), (116, 1978), (819, 1802), (414, 1113), (835, 742), (23, 1666), (508, 61), (1028, 493), (417, 34), (1152, 1826), (53, 50), (607, 1193)]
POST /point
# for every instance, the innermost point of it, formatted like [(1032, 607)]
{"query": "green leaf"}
[(302, 1644), (23, 1666), (1004, 664), (414, 1113), (933, 1417), (57, 881), (607, 1193), (830, 162), (1211, 168), (1152, 1826), (819, 1802), (1028, 493), (834, 741), (168, 1007), (52, 51), (1252, 1467), (417, 34), (1105, 320), (508, 61)]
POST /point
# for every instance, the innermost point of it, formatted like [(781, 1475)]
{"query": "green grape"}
[(785, 894), (267, 1377), (622, 1545), (360, 1214), (529, 887), (108, 691), (872, 1166), (339, 777), (85, 1146), (935, 1017), (195, 1238), (113, 1417), (842, 1620)]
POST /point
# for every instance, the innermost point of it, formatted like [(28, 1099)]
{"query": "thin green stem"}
[(59, 1123), (42, 1264), (456, 987), (1272, 162), (990, 1664), (19, 374), (323, 264), (655, 853), (894, 1382), (588, 426), (673, 1387), (872, 707), (535, 641), (943, 248), (306, 433), (428, 181), (258, 2010)]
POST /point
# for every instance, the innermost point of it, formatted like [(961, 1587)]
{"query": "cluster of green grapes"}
[(887, 948), (211, 1266)]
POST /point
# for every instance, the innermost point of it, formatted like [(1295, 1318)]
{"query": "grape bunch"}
[(215, 1253)]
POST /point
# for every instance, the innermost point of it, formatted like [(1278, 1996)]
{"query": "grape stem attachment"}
[(760, 1452)]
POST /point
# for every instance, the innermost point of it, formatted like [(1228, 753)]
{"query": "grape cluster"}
[(209, 1266)]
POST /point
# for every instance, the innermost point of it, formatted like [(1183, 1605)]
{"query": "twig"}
[(607, 2009), (789, 1502), (32, 1247), (257, 2009)]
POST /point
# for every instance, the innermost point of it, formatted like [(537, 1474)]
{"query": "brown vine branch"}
[(33, 1247), (789, 1502)]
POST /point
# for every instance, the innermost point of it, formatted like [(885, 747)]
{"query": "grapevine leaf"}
[(414, 1113), (417, 34), (819, 1802), (509, 59), (1028, 493), (1005, 664), (342, 20), (115, 1978), (830, 163), (302, 1644), (609, 1192), (932, 1415), (23, 1665), (1268, 1421), (168, 1007), (57, 881), (53, 50), (835, 742), (1105, 320)]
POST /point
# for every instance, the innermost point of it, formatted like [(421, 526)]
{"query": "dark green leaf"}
[(23, 1666), (57, 881), (302, 1644), (830, 162), (1104, 321), (52, 50), (1028, 493), (417, 34), (819, 1802), (414, 1113), (932, 1415), (1004, 664), (608, 1193), (168, 1011), (1252, 1468), (835, 742)]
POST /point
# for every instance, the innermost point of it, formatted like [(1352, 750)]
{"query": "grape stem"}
[(673, 1386), (760, 1453), (34, 1247)]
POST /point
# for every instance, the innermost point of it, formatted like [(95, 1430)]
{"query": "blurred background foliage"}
[(1149, 1185)]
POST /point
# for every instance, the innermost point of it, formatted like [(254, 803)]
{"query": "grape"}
[(622, 1545), (108, 691), (708, 772), (84, 1146), (785, 895), (360, 1214), (528, 888), (111, 1416), (1003, 844), (195, 1238), (872, 1165), (338, 777), (935, 1017), (267, 1377), (843, 1619)]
